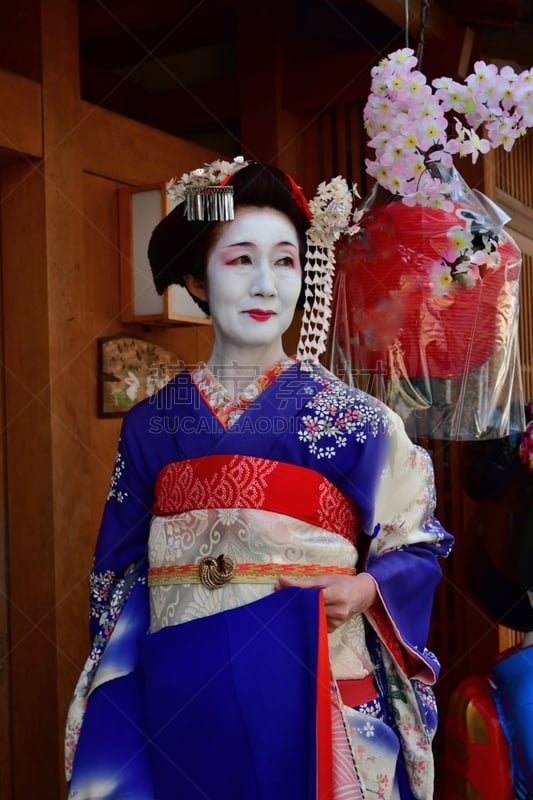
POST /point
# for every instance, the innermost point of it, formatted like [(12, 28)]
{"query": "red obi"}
[(235, 481)]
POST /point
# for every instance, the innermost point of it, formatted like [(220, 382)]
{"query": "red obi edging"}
[(235, 481), (324, 765)]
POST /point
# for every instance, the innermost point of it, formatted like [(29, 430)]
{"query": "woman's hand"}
[(344, 595)]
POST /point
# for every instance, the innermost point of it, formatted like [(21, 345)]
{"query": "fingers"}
[(304, 583), (343, 595), (335, 592), (334, 616)]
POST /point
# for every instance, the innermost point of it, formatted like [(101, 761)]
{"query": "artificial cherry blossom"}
[(406, 122)]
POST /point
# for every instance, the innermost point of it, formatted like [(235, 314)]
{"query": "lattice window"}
[(510, 183)]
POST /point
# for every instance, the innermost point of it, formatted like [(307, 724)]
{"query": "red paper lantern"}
[(392, 306)]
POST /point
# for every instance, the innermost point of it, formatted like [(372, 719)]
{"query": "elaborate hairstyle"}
[(180, 246)]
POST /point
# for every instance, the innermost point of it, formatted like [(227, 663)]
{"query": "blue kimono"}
[(232, 691)]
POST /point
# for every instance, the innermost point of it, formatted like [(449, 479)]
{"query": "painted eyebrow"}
[(252, 244)]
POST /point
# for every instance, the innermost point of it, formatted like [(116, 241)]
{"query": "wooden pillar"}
[(42, 243), (269, 133), (70, 347), (5, 682), (28, 439)]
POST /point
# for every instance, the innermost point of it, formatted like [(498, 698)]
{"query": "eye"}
[(285, 261), (244, 258)]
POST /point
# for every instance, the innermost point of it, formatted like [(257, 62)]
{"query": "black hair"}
[(179, 247)]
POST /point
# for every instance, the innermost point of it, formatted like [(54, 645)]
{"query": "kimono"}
[(236, 690)]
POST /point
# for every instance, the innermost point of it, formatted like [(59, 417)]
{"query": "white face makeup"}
[(253, 283)]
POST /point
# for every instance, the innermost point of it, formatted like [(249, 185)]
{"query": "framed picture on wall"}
[(130, 369)]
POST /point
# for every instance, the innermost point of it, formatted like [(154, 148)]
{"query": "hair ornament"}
[(332, 216), (204, 192)]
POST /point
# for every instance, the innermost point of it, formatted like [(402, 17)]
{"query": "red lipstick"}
[(260, 314)]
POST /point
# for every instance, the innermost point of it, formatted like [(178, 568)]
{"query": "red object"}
[(477, 762), (391, 301), (355, 692), (235, 481), (323, 711), (259, 315)]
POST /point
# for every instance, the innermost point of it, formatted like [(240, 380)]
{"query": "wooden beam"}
[(115, 146), (439, 24), (21, 117), (521, 215)]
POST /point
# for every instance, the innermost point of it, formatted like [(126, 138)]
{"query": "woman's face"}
[(253, 279)]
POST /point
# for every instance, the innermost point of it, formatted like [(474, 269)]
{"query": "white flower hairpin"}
[(203, 191), (332, 215)]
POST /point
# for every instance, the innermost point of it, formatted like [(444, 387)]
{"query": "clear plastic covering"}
[(425, 314)]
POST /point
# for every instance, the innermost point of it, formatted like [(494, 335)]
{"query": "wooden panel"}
[(132, 153), (340, 142), (513, 171), (521, 214), (5, 682), (512, 187), (20, 120), (526, 323), (29, 490)]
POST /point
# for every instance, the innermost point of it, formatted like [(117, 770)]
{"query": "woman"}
[(272, 504)]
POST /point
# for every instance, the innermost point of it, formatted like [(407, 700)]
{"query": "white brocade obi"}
[(248, 535)]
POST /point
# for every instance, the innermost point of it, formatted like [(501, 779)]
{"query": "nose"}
[(263, 283)]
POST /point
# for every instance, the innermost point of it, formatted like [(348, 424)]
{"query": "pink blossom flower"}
[(412, 114), (441, 278), (408, 124)]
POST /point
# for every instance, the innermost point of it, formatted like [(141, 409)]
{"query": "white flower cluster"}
[(332, 212), (209, 175), (332, 216)]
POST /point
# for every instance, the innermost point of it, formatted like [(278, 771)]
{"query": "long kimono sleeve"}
[(117, 580), (406, 544), (123, 535)]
